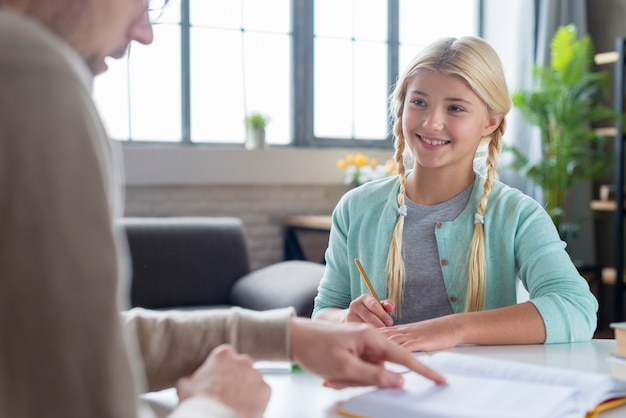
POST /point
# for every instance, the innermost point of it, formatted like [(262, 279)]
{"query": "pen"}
[(366, 279)]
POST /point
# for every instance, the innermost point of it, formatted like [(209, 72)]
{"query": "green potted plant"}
[(564, 102), (255, 130)]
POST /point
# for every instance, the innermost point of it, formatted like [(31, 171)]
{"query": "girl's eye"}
[(418, 102), (456, 109)]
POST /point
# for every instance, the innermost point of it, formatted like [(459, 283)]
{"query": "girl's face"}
[(443, 121)]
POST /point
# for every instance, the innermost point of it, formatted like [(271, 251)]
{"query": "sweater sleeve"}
[(175, 343), (334, 289), (558, 291)]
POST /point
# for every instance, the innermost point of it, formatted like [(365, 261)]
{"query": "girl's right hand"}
[(367, 309)]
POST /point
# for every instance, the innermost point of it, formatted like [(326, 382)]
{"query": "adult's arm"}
[(174, 344)]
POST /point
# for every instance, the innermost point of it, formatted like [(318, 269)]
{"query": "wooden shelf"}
[(608, 131), (605, 58), (316, 222), (608, 275), (603, 205)]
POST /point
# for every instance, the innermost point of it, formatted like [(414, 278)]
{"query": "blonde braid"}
[(477, 274), (395, 262)]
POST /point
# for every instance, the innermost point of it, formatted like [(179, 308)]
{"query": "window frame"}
[(302, 81), (303, 78)]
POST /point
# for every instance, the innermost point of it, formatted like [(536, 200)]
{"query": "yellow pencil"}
[(366, 279), (369, 285)]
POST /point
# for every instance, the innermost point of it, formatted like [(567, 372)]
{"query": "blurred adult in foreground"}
[(66, 350)]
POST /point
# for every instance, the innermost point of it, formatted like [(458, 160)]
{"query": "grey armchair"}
[(203, 262)]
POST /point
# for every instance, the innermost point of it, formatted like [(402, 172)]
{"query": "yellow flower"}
[(360, 160), (359, 169)]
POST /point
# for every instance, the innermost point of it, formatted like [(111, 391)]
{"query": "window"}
[(350, 72), (321, 70)]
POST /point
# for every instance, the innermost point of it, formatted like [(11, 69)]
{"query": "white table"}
[(301, 394)]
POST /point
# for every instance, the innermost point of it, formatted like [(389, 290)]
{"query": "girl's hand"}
[(430, 335), (367, 309)]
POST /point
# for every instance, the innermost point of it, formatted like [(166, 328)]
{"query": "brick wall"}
[(261, 207)]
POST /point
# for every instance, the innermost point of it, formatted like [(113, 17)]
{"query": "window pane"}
[(433, 21), (268, 82), (370, 20), (259, 15), (221, 95), (333, 18), (110, 94), (216, 86), (139, 96), (333, 88), (350, 74), (155, 96), (370, 91), (170, 13), (216, 14), (267, 15)]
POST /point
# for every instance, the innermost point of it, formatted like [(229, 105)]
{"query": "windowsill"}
[(183, 165)]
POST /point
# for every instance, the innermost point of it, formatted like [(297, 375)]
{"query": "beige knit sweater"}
[(63, 350)]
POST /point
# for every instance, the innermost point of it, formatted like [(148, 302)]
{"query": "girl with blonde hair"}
[(445, 244)]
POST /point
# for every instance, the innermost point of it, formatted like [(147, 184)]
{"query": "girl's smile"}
[(443, 122)]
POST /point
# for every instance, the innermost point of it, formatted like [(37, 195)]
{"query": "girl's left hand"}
[(430, 335)]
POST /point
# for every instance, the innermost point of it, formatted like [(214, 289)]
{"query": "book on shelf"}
[(489, 388), (618, 357), (618, 366), (608, 192), (619, 329)]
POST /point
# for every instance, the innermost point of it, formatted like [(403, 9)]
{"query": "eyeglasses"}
[(155, 8)]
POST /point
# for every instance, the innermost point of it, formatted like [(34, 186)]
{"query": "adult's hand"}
[(230, 379), (351, 354)]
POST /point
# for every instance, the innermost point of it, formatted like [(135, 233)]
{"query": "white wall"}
[(168, 165)]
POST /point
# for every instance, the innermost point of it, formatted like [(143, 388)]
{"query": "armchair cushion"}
[(203, 262), (288, 283)]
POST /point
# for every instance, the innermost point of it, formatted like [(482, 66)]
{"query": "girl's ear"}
[(492, 123)]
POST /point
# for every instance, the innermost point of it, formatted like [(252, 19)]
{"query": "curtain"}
[(521, 31), (554, 13)]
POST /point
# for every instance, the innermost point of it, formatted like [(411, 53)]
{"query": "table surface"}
[(301, 394), (317, 222)]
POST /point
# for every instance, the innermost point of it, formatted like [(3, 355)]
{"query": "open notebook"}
[(486, 388)]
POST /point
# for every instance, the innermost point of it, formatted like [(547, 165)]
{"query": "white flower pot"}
[(255, 139)]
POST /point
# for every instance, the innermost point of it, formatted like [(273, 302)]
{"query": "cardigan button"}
[(452, 299), (444, 262), (439, 225)]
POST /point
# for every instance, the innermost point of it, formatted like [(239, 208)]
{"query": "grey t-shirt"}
[(425, 294)]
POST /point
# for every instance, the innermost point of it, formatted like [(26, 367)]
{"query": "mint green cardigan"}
[(522, 243)]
